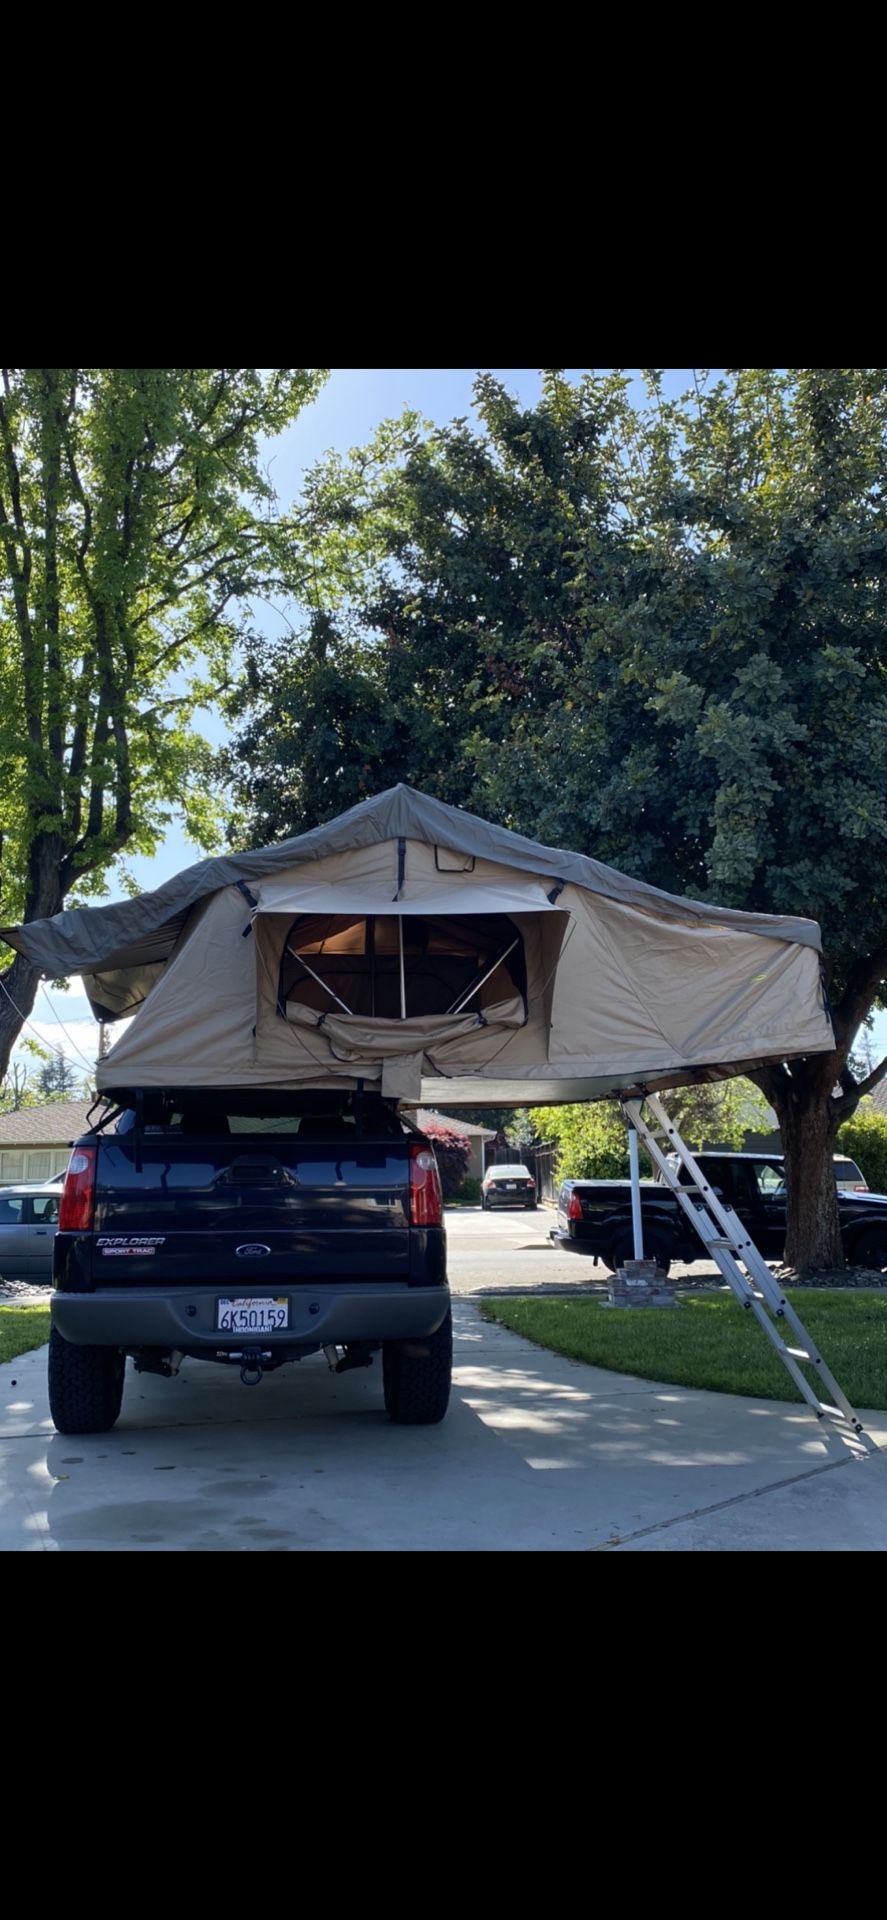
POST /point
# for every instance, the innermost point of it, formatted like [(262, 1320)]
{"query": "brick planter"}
[(640, 1283)]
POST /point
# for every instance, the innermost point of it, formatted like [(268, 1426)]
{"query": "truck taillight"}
[(574, 1210), (426, 1195), (78, 1192)]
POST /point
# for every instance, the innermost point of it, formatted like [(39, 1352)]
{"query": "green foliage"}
[(864, 1139), (591, 1140), (453, 1154), (718, 1113), (136, 523), (469, 1192), (58, 1080)]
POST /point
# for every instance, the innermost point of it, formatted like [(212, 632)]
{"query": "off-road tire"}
[(870, 1250), (416, 1377), (85, 1385)]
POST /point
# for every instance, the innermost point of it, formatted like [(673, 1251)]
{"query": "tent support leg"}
[(634, 1168), (403, 987)]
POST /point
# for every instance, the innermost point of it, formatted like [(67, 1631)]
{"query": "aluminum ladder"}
[(730, 1246)]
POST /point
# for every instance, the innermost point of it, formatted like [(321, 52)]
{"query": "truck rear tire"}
[(416, 1376), (871, 1251), (85, 1385), (654, 1249)]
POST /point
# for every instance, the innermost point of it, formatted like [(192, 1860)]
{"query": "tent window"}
[(336, 962)]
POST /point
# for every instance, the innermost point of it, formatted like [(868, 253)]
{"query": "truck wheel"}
[(85, 1385), (416, 1377), (654, 1249), (871, 1252)]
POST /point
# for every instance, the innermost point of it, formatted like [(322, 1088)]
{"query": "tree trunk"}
[(808, 1118), (44, 898), (19, 986)]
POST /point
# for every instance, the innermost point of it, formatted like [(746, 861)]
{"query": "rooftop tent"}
[(438, 957)]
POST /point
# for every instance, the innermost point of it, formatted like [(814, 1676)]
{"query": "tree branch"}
[(866, 976)]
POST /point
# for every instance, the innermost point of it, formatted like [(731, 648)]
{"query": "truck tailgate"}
[(249, 1209)]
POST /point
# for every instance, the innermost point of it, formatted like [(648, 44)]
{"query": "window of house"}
[(12, 1165), (39, 1165)]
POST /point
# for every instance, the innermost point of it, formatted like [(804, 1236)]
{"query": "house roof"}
[(54, 1124), (424, 1114), (880, 1096)]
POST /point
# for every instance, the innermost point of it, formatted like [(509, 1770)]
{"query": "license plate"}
[(510, 1186), (252, 1316)]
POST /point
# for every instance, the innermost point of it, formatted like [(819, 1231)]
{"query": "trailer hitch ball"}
[(251, 1370)]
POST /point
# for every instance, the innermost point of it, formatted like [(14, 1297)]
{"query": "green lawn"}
[(22, 1328), (710, 1341)]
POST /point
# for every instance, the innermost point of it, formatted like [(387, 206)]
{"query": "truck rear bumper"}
[(135, 1317)]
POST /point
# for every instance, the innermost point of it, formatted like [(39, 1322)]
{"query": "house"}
[(879, 1098), (36, 1142), (477, 1137)]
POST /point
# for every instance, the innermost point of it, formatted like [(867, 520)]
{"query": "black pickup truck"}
[(594, 1216), (250, 1229)]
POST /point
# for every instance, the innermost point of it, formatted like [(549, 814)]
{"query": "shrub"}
[(469, 1192), (864, 1139), (453, 1153)]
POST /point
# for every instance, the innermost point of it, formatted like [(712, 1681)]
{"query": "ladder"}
[(734, 1252)]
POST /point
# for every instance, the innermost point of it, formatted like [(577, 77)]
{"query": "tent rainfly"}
[(436, 957)]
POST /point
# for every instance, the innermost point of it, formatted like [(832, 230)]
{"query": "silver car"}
[(28, 1222)]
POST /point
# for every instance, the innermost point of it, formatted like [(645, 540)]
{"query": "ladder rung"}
[(837, 1413)]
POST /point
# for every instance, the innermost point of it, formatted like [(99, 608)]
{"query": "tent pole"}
[(461, 1001), (634, 1167), (403, 989)]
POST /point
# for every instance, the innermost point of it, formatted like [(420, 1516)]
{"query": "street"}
[(510, 1250)]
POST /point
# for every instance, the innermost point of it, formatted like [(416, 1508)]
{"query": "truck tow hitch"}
[(252, 1367)]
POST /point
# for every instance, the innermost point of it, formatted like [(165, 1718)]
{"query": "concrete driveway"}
[(537, 1452)]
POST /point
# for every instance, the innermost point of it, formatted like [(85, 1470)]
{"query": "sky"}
[(345, 415)]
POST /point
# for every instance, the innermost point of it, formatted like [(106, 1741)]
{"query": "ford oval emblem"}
[(252, 1251)]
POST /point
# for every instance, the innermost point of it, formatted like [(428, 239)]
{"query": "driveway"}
[(537, 1453)]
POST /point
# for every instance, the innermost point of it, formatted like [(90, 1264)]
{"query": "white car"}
[(508, 1186)]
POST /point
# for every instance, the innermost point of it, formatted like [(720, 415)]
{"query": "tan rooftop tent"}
[(435, 956)]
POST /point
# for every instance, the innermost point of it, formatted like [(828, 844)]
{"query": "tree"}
[(16, 1091), (719, 1113), (657, 634), (58, 1080), (453, 1154), (135, 524), (864, 1139), (591, 1139)]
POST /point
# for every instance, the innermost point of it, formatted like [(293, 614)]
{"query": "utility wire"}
[(29, 1023)]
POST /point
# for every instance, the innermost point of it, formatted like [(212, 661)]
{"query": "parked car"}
[(508, 1186), (849, 1178), (28, 1222), (250, 1228), (594, 1216)]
